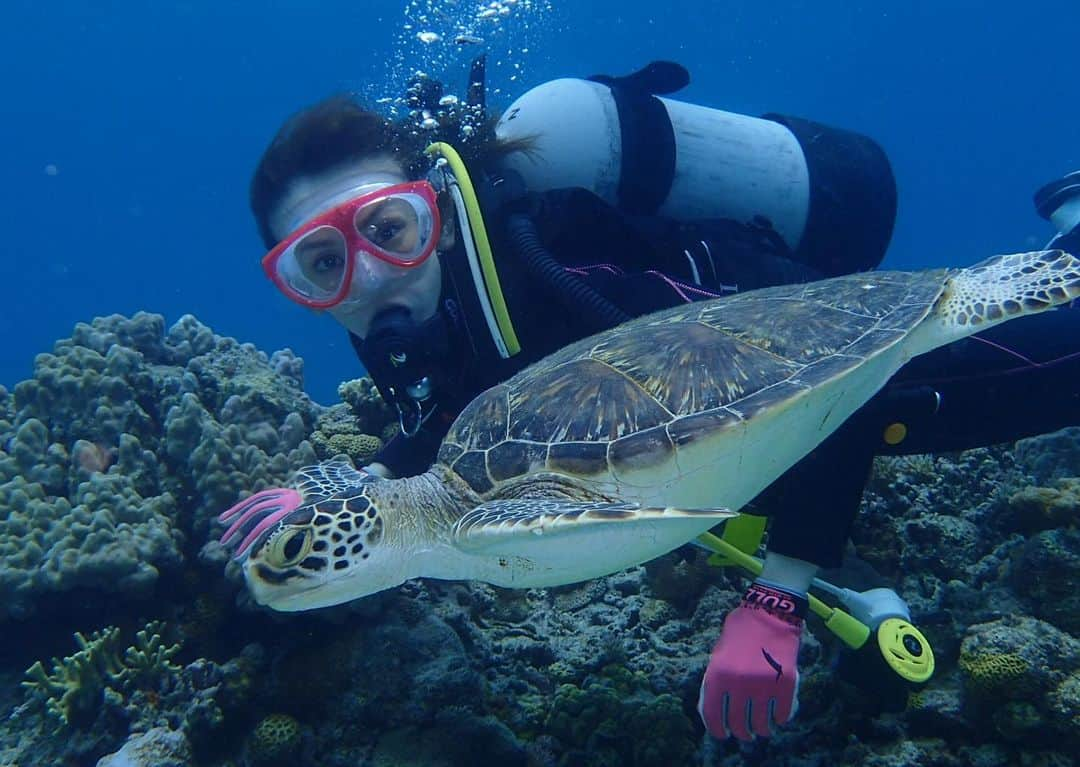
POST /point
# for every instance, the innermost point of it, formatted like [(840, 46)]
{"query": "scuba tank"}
[(1059, 203), (829, 193)]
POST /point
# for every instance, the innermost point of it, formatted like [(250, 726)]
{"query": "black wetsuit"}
[(1015, 380)]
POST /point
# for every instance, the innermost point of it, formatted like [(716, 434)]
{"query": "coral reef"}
[(338, 432), (1046, 574), (130, 437), (680, 578), (73, 714), (124, 445), (1022, 671), (358, 427), (1043, 508), (591, 722), (1050, 457)]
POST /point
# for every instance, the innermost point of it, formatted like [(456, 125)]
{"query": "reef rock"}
[(158, 747)]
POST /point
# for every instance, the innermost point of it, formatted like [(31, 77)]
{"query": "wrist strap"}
[(775, 600)]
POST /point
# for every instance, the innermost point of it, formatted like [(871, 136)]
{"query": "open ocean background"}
[(129, 130)]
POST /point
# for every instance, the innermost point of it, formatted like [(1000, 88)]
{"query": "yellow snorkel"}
[(478, 248)]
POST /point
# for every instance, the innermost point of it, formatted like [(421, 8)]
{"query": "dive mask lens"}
[(400, 228), (314, 268)]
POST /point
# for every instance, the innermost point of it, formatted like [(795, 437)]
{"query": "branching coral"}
[(74, 688), (148, 662)]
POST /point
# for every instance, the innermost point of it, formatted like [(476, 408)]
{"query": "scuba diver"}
[(456, 250)]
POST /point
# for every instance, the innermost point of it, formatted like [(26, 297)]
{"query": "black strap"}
[(646, 134)]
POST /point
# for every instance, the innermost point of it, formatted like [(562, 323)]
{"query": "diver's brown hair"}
[(338, 130)]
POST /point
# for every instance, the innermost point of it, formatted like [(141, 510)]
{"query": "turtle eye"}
[(289, 547)]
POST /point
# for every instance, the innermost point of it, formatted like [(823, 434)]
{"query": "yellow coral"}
[(996, 674), (359, 447)]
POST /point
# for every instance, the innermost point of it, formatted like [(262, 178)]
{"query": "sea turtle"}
[(630, 443)]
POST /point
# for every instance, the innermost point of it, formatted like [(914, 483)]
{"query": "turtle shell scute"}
[(483, 422), (514, 458), (578, 458), (689, 367), (641, 450), (581, 401), (472, 467)]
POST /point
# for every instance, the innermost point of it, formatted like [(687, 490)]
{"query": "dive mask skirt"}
[(397, 225)]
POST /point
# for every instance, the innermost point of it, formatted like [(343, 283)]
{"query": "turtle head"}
[(331, 550)]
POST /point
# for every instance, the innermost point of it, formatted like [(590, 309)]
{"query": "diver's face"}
[(376, 284)]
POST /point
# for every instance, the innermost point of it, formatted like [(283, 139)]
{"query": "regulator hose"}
[(579, 298)]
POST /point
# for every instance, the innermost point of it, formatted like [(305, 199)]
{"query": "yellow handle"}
[(852, 632)]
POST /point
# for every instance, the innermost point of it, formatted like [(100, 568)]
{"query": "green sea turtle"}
[(630, 443)]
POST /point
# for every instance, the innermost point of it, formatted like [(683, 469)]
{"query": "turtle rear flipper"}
[(996, 290)]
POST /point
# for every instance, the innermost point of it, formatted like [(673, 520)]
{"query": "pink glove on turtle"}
[(752, 681)]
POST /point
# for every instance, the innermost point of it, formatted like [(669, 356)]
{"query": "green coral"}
[(274, 741), (149, 660), (596, 718), (995, 674), (74, 689)]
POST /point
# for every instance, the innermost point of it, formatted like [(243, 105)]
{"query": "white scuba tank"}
[(829, 193), (1059, 202), (727, 165)]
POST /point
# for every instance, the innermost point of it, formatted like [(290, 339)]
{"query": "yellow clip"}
[(744, 532)]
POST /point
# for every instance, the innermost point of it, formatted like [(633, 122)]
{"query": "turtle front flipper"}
[(546, 542)]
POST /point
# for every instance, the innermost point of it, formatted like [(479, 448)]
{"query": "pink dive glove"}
[(752, 681)]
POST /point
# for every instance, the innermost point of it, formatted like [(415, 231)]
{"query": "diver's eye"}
[(391, 225), (385, 232), (289, 547), (328, 262)]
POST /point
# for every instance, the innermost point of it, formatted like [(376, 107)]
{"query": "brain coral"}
[(275, 740), (1015, 659), (126, 442)]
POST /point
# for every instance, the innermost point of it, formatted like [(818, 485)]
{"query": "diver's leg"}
[(813, 504), (1013, 381)]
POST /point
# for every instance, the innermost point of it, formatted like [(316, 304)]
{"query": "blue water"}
[(128, 132)]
